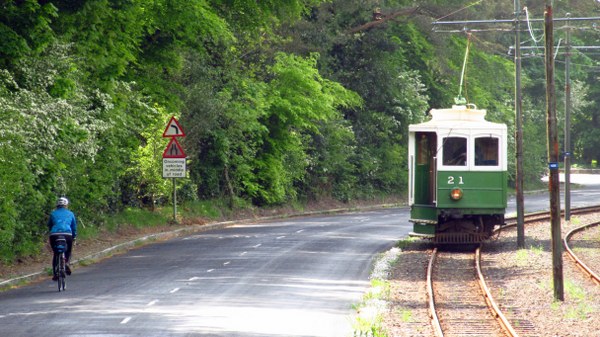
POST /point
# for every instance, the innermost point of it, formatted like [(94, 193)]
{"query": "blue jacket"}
[(62, 221)]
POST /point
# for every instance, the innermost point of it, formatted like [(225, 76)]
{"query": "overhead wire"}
[(460, 10), (488, 45), (589, 66), (557, 49), (530, 29), (535, 41)]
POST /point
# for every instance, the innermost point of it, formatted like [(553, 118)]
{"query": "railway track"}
[(540, 216), (459, 302), (545, 215), (575, 257)]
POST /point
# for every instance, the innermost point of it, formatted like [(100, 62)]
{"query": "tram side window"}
[(486, 151), (455, 151)]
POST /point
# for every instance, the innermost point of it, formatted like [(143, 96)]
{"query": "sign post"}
[(174, 158)]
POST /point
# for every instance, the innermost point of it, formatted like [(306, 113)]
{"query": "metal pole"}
[(174, 202), (567, 149), (504, 21), (554, 187), (519, 133)]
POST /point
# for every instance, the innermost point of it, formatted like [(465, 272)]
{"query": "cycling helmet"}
[(62, 201)]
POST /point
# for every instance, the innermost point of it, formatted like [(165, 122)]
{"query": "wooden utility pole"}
[(519, 133), (553, 152)]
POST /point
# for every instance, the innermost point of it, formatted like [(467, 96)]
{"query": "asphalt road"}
[(297, 277), (585, 191)]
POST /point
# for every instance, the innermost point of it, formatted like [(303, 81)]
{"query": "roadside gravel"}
[(521, 282), (407, 313)]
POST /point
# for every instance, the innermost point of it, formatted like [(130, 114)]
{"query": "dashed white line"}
[(244, 253), (152, 303), (174, 291), (194, 278), (226, 263), (280, 237), (210, 270), (126, 320), (300, 231), (258, 245)]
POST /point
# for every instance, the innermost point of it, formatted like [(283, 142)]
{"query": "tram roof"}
[(458, 117)]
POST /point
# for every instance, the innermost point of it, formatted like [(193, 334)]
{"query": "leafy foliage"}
[(25, 29), (281, 100)]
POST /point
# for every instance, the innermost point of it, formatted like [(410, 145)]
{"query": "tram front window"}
[(455, 151), (486, 151)]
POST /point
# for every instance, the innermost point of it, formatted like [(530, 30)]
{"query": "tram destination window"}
[(455, 151), (486, 151)]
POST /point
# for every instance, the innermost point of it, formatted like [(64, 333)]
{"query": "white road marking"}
[(194, 278), (125, 320), (258, 245), (280, 237), (174, 291), (244, 253), (152, 303), (226, 263), (210, 270), (300, 231)]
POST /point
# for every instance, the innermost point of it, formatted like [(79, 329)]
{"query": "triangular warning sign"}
[(173, 129), (174, 150)]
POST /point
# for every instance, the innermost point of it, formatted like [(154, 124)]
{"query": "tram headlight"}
[(456, 193)]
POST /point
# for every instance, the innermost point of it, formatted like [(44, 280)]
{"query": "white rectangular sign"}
[(173, 167)]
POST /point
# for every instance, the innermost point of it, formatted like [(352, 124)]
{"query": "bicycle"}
[(60, 246)]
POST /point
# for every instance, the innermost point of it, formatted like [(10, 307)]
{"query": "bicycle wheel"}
[(62, 282), (55, 266)]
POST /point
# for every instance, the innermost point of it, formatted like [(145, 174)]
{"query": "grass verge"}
[(369, 312)]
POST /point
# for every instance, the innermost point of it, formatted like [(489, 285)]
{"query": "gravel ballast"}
[(521, 282)]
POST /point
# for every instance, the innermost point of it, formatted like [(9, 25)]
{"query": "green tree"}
[(298, 98), (585, 122), (25, 27), (252, 142)]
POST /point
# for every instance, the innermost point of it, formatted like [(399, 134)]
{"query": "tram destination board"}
[(174, 167)]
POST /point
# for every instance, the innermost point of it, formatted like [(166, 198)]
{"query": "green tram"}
[(457, 176)]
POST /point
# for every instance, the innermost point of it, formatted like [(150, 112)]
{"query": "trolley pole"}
[(553, 184), (519, 132)]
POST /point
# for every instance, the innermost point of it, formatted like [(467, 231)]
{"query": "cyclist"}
[(62, 222)]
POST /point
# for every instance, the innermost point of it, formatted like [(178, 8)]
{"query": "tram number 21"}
[(451, 180)]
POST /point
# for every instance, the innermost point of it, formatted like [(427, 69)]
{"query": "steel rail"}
[(492, 305), (574, 257), (544, 215), (536, 216), (435, 321), (489, 299)]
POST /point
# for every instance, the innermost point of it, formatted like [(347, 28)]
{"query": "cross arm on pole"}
[(505, 21)]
